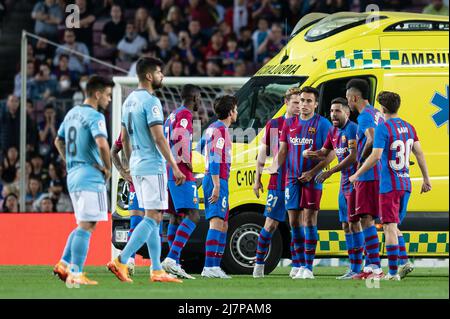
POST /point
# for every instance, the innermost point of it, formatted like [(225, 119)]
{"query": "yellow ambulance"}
[(401, 52)]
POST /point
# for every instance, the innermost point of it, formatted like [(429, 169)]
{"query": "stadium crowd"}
[(192, 37)]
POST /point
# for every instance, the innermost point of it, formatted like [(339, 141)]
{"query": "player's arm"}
[(280, 159), (115, 150), (260, 161), (369, 133), (308, 176), (60, 145), (163, 146), (370, 162), (418, 153), (319, 155), (103, 147)]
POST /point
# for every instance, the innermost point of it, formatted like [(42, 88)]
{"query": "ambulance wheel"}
[(242, 239)]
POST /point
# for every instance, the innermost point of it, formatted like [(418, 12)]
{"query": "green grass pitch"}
[(38, 282)]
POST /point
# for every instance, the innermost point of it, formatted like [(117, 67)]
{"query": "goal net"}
[(170, 96)]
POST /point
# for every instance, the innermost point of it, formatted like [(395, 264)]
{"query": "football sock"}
[(67, 255), (264, 239), (183, 233), (140, 236), (221, 248), (358, 249), (311, 237), (349, 243), (294, 257), (171, 233), (298, 234), (392, 255), (79, 249), (402, 254), (372, 245), (154, 245), (212, 242), (134, 221)]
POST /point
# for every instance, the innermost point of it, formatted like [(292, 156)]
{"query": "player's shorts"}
[(275, 207), (343, 208), (183, 196), (393, 206), (292, 195), (90, 206), (367, 198), (350, 199), (220, 207), (151, 191), (133, 203), (310, 198)]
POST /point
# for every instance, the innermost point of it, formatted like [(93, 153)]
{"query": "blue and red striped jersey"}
[(341, 141), (271, 139), (370, 117), (299, 136), (218, 150), (396, 137), (178, 131)]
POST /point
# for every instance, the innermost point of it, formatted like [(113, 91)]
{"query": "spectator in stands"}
[(168, 29), (151, 51), (46, 205), (293, 11), (436, 7), (102, 8), (87, 19), (131, 46), (34, 191), (175, 18), (10, 204), (43, 52), (216, 9), (113, 30), (245, 43), (231, 56), (331, 6), (259, 36), (207, 16), (214, 47), (61, 200), (240, 68), (9, 164), (37, 163), (141, 22), (213, 68), (44, 85), (10, 124), (18, 79), (226, 31), (48, 15), (269, 9), (176, 68), (164, 48), (47, 133), (79, 96), (54, 179), (188, 55), (240, 15), (65, 90), (32, 129), (153, 35), (198, 39), (77, 63), (273, 43)]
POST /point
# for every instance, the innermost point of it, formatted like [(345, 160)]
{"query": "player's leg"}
[(292, 204), (136, 215), (221, 248), (211, 247), (61, 269), (174, 221), (405, 267), (356, 230), (343, 218)]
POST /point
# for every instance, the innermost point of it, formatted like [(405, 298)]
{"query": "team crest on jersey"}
[(102, 126), (172, 117), (312, 130), (184, 123), (220, 143), (195, 200), (156, 111), (269, 209), (343, 139)]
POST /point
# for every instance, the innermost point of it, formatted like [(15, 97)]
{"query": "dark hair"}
[(49, 106), (64, 56), (224, 105), (340, 100), (232, 37), (360, 85), (145, 65), (97, 83), (4, 208), (390, 101), (310, 89), (189, 91)]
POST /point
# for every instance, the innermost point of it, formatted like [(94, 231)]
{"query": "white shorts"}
[(90, 206), (151, 191)]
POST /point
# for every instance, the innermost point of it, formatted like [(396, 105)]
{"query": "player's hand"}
[(322, 176), (258, 186), (180, 178), (306, 177), (352, 178), (215, 195), (106, 174), (426, 186), (125, 173)]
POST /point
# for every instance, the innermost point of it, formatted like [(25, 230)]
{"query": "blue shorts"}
[(292, 195), (183, 196), (275, 207), (219, 208), (133, 203), (343, 210)]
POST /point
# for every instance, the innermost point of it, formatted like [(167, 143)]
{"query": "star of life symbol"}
[(440, 101)]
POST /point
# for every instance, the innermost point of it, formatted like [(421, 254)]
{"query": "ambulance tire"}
[(242, 240)]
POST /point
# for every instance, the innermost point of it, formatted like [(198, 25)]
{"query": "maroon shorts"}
[(310, 198), (350, 198), (367, 198), (393, 206)]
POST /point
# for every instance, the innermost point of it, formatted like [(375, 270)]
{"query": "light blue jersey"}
[(140, 111), (79, 129)]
